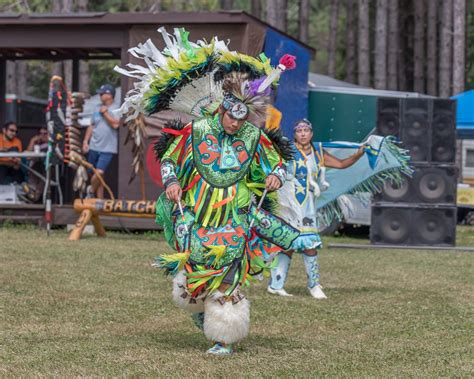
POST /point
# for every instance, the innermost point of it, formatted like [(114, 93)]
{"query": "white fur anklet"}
[(182, 298), (226, 318)]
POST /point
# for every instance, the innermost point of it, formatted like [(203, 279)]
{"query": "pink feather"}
[(289, 61)]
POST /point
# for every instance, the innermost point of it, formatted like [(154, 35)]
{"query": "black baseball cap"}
[(106, 88)]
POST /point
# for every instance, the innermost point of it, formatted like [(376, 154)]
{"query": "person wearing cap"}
[(101, 139), (306, 180)]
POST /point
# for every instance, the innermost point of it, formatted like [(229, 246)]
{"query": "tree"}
[(404, 43), (277, 14), (393, 45), (459, 55), (431, 36), (21, 77), (332, 43), (256, 8), (57, 66), (11, 77), (227, 4), (153, 6), (66, 7), (380, 61), (303, 25), (350, 41), (363, 53), (419, 48), (470, 46), (84, 82), (445, 52)]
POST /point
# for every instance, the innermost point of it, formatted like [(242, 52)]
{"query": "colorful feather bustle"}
[(236, 62), (164, 140), (186, 76), (241, 88), (282, 144), (215, 254), (274, 117), (171, 263)]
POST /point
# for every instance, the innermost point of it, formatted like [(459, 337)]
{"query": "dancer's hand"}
[(272, 183), (174, 192)]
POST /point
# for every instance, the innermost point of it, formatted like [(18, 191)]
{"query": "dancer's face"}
[(303, 135), (230, 124)]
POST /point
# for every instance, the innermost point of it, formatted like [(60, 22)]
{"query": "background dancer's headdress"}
[(302, 123), (195, 78)]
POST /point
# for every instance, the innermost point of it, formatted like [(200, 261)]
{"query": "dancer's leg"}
[(311, 263), (279, 275)]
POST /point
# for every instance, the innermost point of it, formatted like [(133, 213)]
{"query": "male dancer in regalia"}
[(219, 173)]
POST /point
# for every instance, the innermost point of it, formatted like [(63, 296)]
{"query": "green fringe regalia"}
[(213, 239)]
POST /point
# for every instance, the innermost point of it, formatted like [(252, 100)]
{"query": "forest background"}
[(424, 46)]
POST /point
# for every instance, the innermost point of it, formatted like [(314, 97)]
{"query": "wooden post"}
[(75, 75), (99, 228), (81, 223), (3, 88)]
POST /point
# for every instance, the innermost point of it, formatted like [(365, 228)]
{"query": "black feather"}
[(269, 204), (164, 140), (242, 67), (161, 101), (283, 145)]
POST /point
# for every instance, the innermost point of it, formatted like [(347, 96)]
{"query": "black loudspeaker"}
[(426, 127), (416, 128), (413, 225), (388, 117), (429, 184), (443, 134)]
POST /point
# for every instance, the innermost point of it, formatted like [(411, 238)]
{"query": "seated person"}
[(41, 139), (10, 168), (33, 188)]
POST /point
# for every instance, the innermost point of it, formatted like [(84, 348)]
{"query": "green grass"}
[(95, 307)]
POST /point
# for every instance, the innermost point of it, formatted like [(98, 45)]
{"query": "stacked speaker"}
[(421, 211)]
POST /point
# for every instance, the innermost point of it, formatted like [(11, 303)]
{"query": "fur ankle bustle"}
[(226, 318), (182, 298)]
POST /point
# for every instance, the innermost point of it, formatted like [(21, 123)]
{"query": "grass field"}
[(95, 307)]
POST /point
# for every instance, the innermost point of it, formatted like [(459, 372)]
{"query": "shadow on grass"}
[(183, 340), (275, 343), (303, 291)]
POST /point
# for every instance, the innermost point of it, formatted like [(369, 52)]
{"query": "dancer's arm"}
[(333, 162), (169, 161), (272, 164)]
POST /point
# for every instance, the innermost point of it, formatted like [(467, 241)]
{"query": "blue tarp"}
[(465, 114), (292, 94)]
